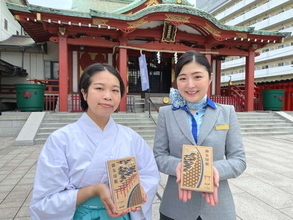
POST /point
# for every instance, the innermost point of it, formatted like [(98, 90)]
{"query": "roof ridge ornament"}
[(152, 2), (177, 19)]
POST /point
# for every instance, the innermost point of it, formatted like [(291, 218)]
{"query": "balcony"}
[(235, 8), (274, 20), (265, 8), (266, 56), (275, 71)]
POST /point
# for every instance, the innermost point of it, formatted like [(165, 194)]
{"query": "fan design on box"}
[(193, 172)]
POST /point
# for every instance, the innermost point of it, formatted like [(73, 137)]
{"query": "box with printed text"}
[(125, 183), (197, 168)]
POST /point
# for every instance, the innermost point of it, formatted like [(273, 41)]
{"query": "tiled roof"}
[(166, 7)]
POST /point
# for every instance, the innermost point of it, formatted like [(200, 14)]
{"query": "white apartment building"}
[(275, 61), (38, 64), (8, 25)]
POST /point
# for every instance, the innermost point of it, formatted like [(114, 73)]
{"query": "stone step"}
[(255, 117), (146, 137), (262, 123), (47, 132), (63, 122), (257, 120), (125, 119), (55, 126), (267, 125), (14, 116), (76, 115), (118, 120), (290, 113), (141, 123), (251, 123), (270, 129), (265, 133), (254, 113)]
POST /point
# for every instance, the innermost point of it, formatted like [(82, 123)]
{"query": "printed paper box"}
[(197, 168), (124, 183)]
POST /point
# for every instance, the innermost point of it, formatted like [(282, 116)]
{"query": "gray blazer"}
[(220, 130)]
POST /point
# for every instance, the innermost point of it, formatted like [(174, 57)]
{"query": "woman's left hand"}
[(103, 191), (212, 198)]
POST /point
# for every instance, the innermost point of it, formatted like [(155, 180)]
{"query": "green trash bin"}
[(272, 99), (30, 97)]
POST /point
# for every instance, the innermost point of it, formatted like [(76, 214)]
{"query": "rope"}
[(152, 50)]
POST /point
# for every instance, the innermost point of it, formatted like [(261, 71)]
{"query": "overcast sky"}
[(63, 4)]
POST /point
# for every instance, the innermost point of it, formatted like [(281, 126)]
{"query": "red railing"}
[(50, 102), (7, 89), (50, 99), (75, 102), (51, 85), (286, 86), (288, 93), (233, 95), (237, 102)]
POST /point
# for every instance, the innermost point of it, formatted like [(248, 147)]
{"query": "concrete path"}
[(263, 192)]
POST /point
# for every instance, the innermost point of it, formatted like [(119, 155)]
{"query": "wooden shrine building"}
[(118, 31)]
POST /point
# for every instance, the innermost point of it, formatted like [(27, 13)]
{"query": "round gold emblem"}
[(166, 100)]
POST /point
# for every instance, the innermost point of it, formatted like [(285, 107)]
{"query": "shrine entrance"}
[(160, 75)]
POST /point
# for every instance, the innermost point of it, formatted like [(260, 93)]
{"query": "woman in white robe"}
[(71, 168)]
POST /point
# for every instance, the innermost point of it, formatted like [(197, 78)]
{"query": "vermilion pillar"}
[(63, 73), (70, 70), (249, 82), (218, 77), (209, 57), (122, 66)]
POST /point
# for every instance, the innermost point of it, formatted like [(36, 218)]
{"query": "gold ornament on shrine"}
[(166, 100), (212, 30), (177, 19), (242, 35), (152, 2), (62, 30), (102, 22), (138, 23)]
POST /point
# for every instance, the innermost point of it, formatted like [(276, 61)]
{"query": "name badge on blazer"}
[(222, 127)]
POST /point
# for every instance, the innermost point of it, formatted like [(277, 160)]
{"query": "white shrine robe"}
[(75, 157)]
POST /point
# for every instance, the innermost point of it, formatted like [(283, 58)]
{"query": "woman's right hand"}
[(184, 194)]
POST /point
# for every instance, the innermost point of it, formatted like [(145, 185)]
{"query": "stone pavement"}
[(263, 192)]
